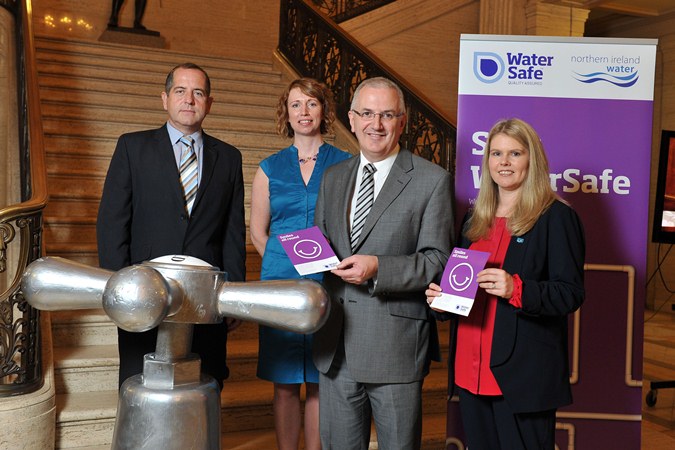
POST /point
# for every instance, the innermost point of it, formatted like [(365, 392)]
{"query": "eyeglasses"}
[(386, 116)]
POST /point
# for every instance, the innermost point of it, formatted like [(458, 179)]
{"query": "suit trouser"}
[(347, 406), (490, 424)]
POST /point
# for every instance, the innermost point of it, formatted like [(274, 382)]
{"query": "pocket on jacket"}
[(408, 308), (546, 333)]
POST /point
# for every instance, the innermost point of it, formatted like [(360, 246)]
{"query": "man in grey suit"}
[(376, 347)]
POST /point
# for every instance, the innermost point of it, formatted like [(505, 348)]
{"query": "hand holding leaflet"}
[(459, 281), (309, 251)]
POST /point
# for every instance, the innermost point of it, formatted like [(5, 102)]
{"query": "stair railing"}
[(341, 10), (316, 47), (21, 224)]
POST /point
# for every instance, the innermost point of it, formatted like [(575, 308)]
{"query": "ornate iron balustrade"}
[(316, 47), (341, 10), (21, 226)]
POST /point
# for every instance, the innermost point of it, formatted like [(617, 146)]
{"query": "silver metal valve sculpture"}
[(172, 405)]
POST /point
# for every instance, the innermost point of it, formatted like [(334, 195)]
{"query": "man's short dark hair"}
[(188, 65)]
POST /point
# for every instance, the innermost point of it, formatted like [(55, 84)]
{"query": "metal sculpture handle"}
[(140, 297)]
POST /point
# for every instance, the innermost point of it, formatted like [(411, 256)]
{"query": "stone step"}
[(133, 55), (221, 90), (81, 230), (128, 61), (126, 120), (240, 138), (85, 418), (246, 406), (91, 327), (89, 187), (87, 254), (76, 165), (92, 434), (85, 92), (96, 367), (102, 68), (71, 208), (82, 328), (88, 258), (100, 147), (75, 231), (73, 167), (97, 166), (132, 109), (90, 368), (80, 233)]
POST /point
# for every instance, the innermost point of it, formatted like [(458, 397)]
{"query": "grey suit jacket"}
[(389, 334)]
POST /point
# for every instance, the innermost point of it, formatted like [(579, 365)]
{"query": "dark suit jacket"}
[(529, 347), (388, 332), (142, 216)]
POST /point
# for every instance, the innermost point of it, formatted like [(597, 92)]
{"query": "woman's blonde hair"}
[(535, 194)]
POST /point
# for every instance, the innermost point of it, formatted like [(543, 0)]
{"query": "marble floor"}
[(658, 421)]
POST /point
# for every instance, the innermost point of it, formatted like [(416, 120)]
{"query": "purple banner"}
[(590, 100)]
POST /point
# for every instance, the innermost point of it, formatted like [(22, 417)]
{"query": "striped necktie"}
[(189, 172), (364, 202)]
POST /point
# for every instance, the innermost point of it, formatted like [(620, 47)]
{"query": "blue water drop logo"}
[(488, 67)]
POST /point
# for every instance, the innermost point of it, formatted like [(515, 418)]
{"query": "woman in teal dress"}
[(284, 193)]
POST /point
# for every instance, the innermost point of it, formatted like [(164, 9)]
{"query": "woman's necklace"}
[(309, 158)]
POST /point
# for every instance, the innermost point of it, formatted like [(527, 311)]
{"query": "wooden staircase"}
[(90, 94)]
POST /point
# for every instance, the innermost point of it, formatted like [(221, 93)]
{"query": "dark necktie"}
[(189, 172), (364, 202)]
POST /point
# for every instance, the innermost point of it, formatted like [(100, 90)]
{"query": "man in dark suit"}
[(144, 213), (376, 347)]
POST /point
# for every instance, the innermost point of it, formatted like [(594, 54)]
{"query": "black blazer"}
[(142, 214), (529, 348)]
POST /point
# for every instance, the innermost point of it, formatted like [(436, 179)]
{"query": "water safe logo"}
[(519, 68), (620, 71), (488, 67)]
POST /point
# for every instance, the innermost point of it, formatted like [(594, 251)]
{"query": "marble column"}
[(545, 19), (531, 17), (498, 17)]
